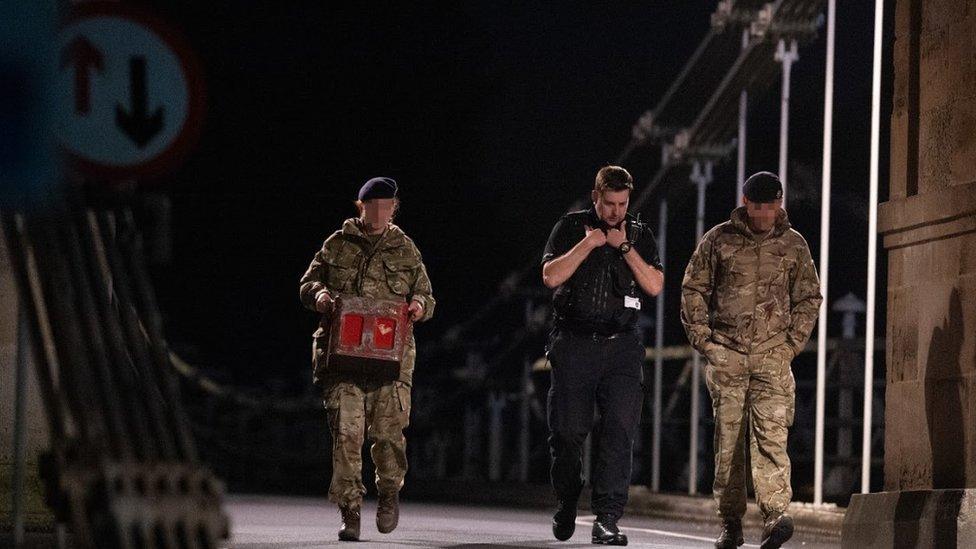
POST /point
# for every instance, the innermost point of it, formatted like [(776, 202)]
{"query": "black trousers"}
[(590, 372)]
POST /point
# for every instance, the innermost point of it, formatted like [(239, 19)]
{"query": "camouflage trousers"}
[(379, 412), (752, 399)]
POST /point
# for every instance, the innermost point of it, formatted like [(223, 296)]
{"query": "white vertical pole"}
[(741, 142), (872, 246), (818, 465), (702, 179), (662, 237), (786, 57)]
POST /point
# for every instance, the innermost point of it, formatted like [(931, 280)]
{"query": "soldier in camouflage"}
[(369, 257), (749, 301)]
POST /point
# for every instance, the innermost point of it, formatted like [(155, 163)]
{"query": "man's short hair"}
[(613, 178)]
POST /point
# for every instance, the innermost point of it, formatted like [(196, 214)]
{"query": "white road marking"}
[(591, 518)]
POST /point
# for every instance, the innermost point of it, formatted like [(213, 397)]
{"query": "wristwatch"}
[(625, 247)]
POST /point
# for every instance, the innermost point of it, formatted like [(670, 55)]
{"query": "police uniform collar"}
[(594, 220)]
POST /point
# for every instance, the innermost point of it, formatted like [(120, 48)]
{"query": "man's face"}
[(378, 212), (611, 206), (762, 215)]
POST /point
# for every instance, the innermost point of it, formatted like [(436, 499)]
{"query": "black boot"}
[(564, 520), (350, 523), (605, 532), (388, 512), (731, 536), (776, 531)]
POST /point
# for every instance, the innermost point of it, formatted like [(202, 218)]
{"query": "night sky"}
[(493, 119)]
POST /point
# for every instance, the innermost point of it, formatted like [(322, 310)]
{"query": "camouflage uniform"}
[(749, 303), (392, 268)]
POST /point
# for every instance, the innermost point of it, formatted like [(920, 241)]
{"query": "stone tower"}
[(928, 226)]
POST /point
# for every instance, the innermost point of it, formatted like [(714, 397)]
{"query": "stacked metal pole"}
[(122, 469)]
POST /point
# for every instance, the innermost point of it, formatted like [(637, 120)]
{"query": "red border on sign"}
[(189, 133)]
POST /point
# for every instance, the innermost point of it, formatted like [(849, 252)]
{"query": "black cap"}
[(763, 187), (378, 187)]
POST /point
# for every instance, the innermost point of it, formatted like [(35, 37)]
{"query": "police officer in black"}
[(601, 262)]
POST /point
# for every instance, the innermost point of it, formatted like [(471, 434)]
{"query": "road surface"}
[(263, 521)]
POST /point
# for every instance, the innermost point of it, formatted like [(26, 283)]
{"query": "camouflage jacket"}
[(349, 264), (750, 292)]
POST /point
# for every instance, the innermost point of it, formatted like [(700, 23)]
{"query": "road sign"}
[(130, 92)]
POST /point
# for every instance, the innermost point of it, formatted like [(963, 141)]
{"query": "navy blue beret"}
[(763, 187), (378, 187)]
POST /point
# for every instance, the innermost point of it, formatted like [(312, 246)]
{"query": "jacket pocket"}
[(339, 275), (716, 354), (399, 273)]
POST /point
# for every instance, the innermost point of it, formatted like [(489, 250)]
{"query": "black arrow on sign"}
[(136, 124)]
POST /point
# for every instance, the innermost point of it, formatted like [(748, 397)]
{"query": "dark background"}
[(493, 119)]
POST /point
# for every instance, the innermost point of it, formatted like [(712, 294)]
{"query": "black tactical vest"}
[(593, 298)]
